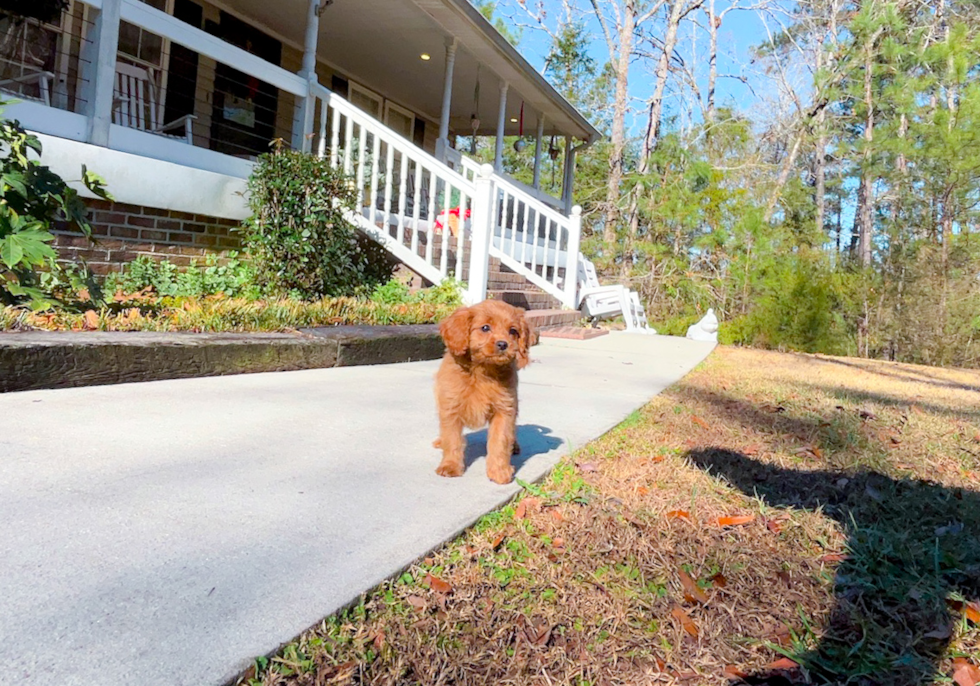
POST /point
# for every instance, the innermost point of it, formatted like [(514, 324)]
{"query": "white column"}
[(481, 221), (537, 152), (571, 264), (568, 174), (303, 115), (100, 55), (447, 91), (498, 157)]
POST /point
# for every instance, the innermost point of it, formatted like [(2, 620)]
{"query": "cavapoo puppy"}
[(476, 384)]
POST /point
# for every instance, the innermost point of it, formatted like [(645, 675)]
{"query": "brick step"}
[(528, 300), (543, 320)]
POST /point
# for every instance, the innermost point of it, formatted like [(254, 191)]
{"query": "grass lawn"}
[(774, 518)]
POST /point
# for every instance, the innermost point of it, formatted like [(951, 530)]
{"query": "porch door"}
[(243, 119)]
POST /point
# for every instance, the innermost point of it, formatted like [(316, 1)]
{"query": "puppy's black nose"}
[(501, 345)]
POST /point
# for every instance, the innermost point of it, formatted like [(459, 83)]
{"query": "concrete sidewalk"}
[(168, 532)]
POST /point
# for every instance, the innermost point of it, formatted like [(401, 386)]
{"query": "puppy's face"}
[(491, 333)]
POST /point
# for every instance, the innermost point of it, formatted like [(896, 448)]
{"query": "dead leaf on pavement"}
[(736, 520), (685, 619), (965, 673), (692, 592)]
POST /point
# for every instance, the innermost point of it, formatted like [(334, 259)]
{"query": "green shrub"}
[(448, 293), (298, 235), (234, 277), (32, 199)]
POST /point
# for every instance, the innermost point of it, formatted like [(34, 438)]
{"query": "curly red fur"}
[(476, 384)]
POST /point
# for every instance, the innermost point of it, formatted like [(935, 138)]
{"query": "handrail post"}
[(571, 262), (303, 117), (99, 53), (481, 224)]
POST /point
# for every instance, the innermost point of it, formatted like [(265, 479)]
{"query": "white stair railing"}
[(409, 201)]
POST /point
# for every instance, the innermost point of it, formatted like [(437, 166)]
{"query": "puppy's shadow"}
[(533, 439)]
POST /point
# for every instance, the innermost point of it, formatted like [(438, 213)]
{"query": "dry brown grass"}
[(851, 492)]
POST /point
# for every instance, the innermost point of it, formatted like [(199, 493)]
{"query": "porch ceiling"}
[(379, 42)]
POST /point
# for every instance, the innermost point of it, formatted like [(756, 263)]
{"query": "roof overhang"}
[(378, 43)]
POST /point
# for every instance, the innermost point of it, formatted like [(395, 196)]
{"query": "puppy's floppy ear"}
[(525, 340), (455, 331)]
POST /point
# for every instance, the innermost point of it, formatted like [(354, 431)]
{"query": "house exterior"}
[(172, 100)]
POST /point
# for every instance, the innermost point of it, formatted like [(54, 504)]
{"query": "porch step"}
[(527, 299), (543, 320)]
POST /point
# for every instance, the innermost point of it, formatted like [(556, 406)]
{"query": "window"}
[(400, 120), (142, 46), (364, 99), (28, 57)]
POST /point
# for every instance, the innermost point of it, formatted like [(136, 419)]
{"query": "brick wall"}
[(123, 232)]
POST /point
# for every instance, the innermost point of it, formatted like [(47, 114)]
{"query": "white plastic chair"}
[(137, 105), (42, 78), (598, 301)]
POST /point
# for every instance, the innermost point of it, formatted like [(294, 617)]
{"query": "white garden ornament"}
[(706, 329)]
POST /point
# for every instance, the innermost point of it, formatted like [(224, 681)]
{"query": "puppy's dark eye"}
[(485, 328), (513, 332)]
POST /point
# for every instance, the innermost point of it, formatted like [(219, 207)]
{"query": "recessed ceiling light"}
[(425, 57), (513, 121)]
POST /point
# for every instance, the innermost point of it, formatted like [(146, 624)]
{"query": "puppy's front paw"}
[(437, 443), (501, 474), (449, 469)]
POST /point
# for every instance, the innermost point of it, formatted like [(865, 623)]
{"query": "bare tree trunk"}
[(784, 173), (866, 215), (819, 171), (714, 23), (677, 12), (618, 134)]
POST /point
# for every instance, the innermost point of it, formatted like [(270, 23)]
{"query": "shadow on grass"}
[(533, 439), (911, 548)]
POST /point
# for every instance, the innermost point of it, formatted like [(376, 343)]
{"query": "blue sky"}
[(741, 30)]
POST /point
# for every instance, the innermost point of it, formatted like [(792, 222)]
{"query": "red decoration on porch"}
[(452, 220)]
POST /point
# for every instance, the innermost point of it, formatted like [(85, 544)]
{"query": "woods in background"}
[(832, 209)]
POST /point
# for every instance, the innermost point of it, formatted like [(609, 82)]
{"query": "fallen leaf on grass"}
[(752, 449), (832, 557), (973, 612), (378, 640), (718, 580), (773, 526), (940, 634), (642, 490), (588, 467), (498, 541), (521, 510), (685, 619), (679, 514), (737, 520), (692, 592), (734, 672), (558, 543), (965, 673), (437, 584), (783, 663), (91, 320), (415, 601), (700, 422)]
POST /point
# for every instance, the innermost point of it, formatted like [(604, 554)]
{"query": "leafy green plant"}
[(299, 235), (32, 199), (233, 277), (394, 292)]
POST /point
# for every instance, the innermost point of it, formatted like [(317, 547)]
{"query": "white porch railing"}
[(436, 220)]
